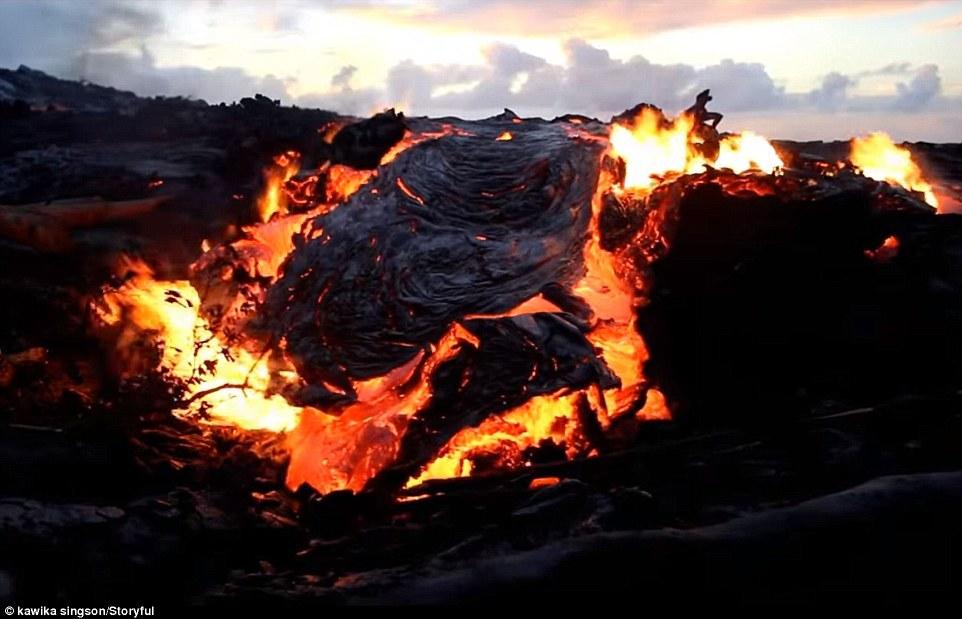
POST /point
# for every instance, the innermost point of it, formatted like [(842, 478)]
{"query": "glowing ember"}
[(885, 252), (504, 137), (880, 158)]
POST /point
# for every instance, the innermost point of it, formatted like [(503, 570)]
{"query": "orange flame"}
[(273, 200), (233, 388), (880, 158), (227, 382), (654, 148)]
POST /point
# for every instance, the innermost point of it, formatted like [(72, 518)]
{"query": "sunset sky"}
[(787, 68)]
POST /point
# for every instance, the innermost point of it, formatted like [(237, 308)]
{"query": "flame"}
[(653, 148), (504, 137), (273, 200), (224, 384), (546, 417), (880, 158), (747, 151)]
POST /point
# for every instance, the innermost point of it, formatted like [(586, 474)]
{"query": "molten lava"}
[(880, 158), (230, 374)]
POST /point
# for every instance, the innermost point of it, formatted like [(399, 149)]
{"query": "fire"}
[(225, 381), (747, 151), (653, 148), (548, 417), (229, 378), (224, 384), (880, 158), (274, 201)]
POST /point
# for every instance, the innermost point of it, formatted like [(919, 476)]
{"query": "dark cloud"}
[(42, 33), (833, 93), (85, 39), (342, 79), (895, 68), (592, 82), (119, 23), (140, 74), (918, 92)]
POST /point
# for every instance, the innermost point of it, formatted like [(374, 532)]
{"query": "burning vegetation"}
[(440, 300)]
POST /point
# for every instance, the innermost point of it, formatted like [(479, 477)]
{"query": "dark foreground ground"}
[(814, 493)]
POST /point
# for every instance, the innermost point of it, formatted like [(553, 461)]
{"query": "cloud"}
[(598, 18), (924, 86), (594, 83), (118, 23), (107, 43), (342, 79), (894, 68), (833, 92), (590, 82), (139, 73), (42, 33)]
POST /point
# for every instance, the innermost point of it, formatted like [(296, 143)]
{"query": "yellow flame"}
[(747, 151), (880, 158), (653, 148), (273, 200), (233, 388), (542, 417)]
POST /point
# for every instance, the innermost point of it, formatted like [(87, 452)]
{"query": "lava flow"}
[(234, 371)]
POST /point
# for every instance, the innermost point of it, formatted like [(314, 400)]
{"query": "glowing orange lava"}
[(240, 381)]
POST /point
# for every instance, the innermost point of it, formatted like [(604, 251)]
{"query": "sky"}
[(793, 69)]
